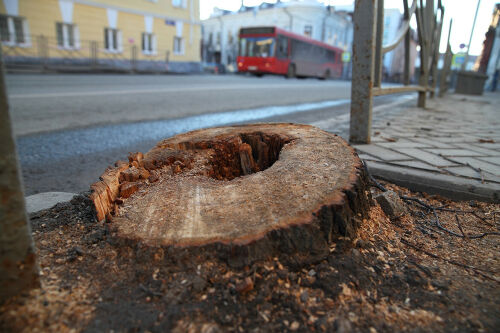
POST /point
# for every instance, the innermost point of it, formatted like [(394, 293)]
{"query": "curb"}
[(452, 187), (41, 201)]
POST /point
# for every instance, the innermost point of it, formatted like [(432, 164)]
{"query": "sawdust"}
[(382, 281)]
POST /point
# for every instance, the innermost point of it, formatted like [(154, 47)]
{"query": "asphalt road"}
[(69, 128), (43, 103)]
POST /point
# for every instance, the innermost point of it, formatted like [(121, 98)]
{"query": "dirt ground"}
[(404, 274)]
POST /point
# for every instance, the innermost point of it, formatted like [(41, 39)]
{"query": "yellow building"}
[(102, 34)]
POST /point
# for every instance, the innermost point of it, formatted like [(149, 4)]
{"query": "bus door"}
[(282, 53)]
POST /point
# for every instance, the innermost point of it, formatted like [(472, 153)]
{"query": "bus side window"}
[(302, 50), (293, 50), (315, 54), (282, 47), (321, 55)]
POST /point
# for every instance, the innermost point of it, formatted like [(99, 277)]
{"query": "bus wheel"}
[(291, 71), (326, 75)]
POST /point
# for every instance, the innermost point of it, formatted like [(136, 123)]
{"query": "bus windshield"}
[(257, 47)]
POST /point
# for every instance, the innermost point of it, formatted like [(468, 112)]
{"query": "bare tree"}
[(18, 268)]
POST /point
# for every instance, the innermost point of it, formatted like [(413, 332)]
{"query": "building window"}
[(148, 43), (4, 29), (67, 35), (112, 40), (179, 3), (178, 45), (308, 29), (13, 30)]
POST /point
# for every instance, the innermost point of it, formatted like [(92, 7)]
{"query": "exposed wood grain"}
[(241, 193)]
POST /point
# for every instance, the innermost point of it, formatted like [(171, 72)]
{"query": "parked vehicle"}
[(271, 50)]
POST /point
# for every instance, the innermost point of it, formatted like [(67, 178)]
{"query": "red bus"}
[(271, 50)]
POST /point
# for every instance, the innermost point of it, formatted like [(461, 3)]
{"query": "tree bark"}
[(239, 193), (18, 269)]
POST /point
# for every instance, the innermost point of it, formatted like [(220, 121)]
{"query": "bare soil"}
[(403, 274)]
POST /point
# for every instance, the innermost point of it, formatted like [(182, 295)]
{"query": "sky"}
[(461, 11)]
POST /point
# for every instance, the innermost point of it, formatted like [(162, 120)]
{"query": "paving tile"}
[(432, 143), (495, 145), (483, 150), (368, 157), (377, 138), (485, 166), (382, 153), (402, 143), (450, 127), (491, 159), (472, 138), (464, 171), (424, 156), (485, 135), (400, 134), (469, 172), (493, 134), (417, 165), (454, 152), (447, 139)]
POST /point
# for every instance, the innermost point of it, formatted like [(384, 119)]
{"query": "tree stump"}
[(239, 193)]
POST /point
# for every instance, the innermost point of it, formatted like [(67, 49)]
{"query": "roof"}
[(269, 5), (299, 37)]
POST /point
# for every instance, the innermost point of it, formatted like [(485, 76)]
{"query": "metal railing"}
[(368, 54), (46, 53)]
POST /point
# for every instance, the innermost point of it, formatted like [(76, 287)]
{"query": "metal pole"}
[(378, 43), (423, 57), (167, 59), (362, 71), (18, 268), (406, 75), (133, 58), (93, 54), (435, 56), (43, 51), (470, 38), (430, 26), (39, 41)]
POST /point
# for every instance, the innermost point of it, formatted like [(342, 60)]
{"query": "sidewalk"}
[(451, 148)]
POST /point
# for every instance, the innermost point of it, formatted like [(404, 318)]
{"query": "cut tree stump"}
[(239, 193)]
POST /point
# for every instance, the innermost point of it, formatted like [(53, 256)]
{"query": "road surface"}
[(69, 128), (42, 103)]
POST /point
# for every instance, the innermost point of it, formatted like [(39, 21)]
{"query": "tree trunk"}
[(18, 269), (240, 193)]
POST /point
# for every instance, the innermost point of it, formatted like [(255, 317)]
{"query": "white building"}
[(392, 22), (306, 17)]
